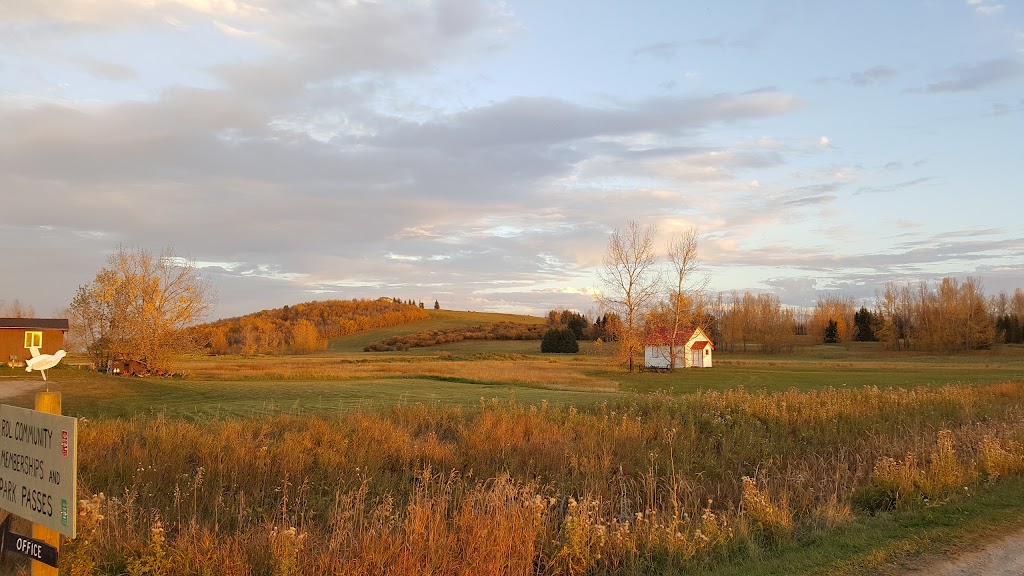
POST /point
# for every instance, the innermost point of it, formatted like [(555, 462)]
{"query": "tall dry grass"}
[(647, 485)]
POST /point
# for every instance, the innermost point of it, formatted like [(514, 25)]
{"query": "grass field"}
[(439, 320), (564, 428), (465, 372)]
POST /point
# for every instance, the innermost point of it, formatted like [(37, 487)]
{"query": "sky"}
[(480, 153)]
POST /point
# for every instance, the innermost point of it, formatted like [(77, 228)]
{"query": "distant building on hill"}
[(693, 349), (17, 335)]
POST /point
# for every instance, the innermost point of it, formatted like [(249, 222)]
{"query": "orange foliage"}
[(292, 327)]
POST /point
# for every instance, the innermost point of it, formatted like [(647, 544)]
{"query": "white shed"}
[(693, 349)]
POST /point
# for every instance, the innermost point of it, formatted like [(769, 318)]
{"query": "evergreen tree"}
[(574, 321), (559, 340), (832, 332), (864, 330)]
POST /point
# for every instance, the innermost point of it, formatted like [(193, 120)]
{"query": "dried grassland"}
[(646, 485)]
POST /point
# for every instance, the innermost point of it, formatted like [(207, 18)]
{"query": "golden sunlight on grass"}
[(646, 485), (556, 374)]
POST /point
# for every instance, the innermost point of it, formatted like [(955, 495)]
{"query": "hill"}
[(305, 327), (436, 320)]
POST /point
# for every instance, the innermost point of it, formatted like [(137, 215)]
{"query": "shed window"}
[(33, 339)]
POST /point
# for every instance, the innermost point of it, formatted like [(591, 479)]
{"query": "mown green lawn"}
[(810, 376), (439, 320), (93, 396)]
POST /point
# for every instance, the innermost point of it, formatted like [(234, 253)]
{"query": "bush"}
[(377, 347), (559, 340)]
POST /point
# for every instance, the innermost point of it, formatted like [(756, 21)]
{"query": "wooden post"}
[(48, 402)]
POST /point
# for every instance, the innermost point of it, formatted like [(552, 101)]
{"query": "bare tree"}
[(686, 300), (630, 277), (951, 317), (138, 306), (755, 318), (15, 309)]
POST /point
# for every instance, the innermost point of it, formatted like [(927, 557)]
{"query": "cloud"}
[(811, 200), (978, 76), (106, 70), (794, 291), (1003, 109), (873, 76), (539, 120), (657, 51), (893, 187), (231, 30), (301, 157), (970, 233), (324, 41), (991, 9), (80, 15), (910, 254), (986, 7)]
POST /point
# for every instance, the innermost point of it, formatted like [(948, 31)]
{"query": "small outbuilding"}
[(693, 349), (18, 335)]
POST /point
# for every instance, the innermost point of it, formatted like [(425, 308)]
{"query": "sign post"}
[(38, 476), (27, 547)]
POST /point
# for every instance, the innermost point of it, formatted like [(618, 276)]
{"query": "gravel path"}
[(1004, 557), (11, 388)]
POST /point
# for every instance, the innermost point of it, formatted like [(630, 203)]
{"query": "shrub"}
[(377, 347), (559, 340)]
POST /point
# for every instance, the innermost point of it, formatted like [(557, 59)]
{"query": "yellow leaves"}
[(137, 305)]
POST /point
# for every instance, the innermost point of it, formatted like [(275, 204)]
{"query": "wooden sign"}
[(29, 547), (38, 467)]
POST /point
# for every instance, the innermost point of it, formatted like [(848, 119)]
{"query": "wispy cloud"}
[(986, 7), (892, 187), (812, 200), (873, 76), (657, 51), (104, 69), (978, 76)]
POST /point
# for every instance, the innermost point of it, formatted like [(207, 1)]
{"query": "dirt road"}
[(12, 388), (1003, 557)]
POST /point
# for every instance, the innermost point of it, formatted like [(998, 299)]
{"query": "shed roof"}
[(34, 323), (661, 336)]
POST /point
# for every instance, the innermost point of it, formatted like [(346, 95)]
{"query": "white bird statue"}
[(43, 362)]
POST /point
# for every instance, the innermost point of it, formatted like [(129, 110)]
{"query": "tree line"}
[(651, 291), (949, 316), (146, 307), (946, 316)]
